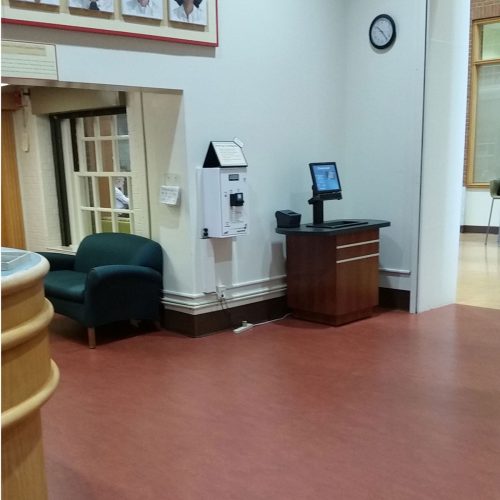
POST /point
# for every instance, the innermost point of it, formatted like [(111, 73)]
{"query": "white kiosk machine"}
[(224, 181)]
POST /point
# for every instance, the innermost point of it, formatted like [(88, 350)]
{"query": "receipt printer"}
[(287, 218)]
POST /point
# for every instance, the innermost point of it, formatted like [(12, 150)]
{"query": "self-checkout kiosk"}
[(225, 200), (332, 266)]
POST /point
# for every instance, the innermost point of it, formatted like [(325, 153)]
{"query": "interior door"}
[(13, 235)]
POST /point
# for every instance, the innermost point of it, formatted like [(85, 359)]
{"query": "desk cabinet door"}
[(357, 285)]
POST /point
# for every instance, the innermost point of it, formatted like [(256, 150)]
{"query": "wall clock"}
[(382, 31)]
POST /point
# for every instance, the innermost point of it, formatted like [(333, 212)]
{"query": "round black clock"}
[(382, 31)]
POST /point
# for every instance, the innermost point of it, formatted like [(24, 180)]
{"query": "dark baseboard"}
[(394, 299), (478, 229), (200, 325), (226, 319)]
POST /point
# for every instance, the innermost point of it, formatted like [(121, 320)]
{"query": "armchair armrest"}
[(59, 261), (121, 277), (116, 292)]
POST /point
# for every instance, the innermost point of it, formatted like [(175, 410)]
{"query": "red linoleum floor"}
[(396, 407)]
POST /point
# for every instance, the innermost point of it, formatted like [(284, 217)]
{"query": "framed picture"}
[(188, 21), (43, 2), (97, 5), (188, 11), (152, 9)]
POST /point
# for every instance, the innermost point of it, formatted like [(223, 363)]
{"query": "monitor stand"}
[(318, 216)]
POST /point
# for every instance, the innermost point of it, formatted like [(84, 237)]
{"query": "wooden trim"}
[(19, 412), (13, 234), (487, 62), (476, 62), (472, 107), (360, 257), (12, 101), (476, 39)]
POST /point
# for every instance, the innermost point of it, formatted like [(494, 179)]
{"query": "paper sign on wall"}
[(224, 154)]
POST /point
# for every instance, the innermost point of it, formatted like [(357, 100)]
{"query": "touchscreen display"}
[(325, 177)]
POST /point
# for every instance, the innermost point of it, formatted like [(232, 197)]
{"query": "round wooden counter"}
[(29, 376)]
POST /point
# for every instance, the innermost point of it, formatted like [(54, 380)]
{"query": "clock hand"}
[(385, 36)]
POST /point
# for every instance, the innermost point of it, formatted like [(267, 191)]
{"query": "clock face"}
[(382, 31)]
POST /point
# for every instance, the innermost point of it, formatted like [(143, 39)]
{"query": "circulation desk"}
[(29, 376), (333, 273)]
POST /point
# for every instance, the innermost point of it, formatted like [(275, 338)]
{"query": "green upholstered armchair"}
[(112, 277)]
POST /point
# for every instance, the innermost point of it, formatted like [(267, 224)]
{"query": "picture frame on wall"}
[(148, 19), (188, 11), (150, 9), (42, 2), (93, 5)]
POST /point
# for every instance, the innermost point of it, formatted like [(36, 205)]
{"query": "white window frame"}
[(138, 212)]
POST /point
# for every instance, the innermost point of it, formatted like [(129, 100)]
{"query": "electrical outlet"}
[(220, 291)]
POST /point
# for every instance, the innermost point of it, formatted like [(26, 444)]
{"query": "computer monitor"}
[(326, 182), (326, 186)]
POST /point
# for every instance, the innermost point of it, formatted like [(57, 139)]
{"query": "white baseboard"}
[(238, 294)]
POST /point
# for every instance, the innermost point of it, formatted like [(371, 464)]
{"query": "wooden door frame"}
[(13, 234)]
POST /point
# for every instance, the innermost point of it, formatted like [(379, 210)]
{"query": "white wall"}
[(404, 151), (477, 208), (277, 83), (381, 172), (36, 178), (443, 146), (298, 87)]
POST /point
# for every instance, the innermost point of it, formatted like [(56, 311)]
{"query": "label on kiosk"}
[(224, 154), (224, 180)]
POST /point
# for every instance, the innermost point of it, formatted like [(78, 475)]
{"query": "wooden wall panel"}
[(13, 235)]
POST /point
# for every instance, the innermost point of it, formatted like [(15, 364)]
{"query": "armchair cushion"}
[(67, 285)]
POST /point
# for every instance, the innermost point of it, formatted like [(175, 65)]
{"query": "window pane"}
[(104, 196), (88, 222), (491, 41), (107, 156), (91, 164), (106, 125), (124, 155), (121, 193), (106, 222), (88, 126), (124, 224), (487, 147), (113, 223), (121, 124), (86, 192)]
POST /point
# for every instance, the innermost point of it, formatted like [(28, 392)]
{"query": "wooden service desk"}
[(332, 273), (29, 376)]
